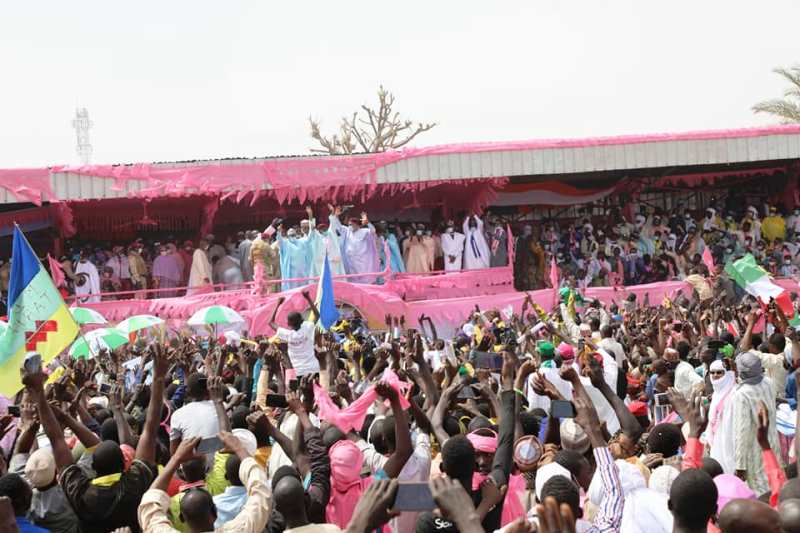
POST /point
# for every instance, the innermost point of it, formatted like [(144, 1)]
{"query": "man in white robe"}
[(243, 255), (476, 249), (227, 272), (325, 242), (719, 435), (453, 248), (200, 275), (89, 291), (359, 251), (753, 388)]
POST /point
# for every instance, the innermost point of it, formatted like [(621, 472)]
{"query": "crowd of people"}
[(626, 416), (656, 245), (591, 250), (281, 257)]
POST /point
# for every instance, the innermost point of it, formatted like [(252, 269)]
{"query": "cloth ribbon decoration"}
[(353, 416)]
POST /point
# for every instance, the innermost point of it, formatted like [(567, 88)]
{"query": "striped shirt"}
[(609, 516)]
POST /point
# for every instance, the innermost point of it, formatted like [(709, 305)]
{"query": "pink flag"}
[(553, 272), (55, 271), (708, 260)]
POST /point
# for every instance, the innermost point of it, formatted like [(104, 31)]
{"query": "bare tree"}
[(787, 109), (369, 130)]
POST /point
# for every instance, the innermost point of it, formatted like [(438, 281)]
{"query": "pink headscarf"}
[(730, 487), (347, 485), (482, 444)]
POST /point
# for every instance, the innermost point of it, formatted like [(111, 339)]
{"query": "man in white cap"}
[(231, 502), (49, 507), (453, 247)]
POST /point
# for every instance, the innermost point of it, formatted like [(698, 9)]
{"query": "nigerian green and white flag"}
[(749, 275)]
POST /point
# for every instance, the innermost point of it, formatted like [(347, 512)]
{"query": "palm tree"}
[(787, 109)]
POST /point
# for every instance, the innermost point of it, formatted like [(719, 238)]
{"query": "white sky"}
[(167, 80)]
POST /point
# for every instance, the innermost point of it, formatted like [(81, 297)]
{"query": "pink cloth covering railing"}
[(374, 302), (328, 174)]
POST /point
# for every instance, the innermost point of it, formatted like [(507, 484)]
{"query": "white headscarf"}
[(721, 385)]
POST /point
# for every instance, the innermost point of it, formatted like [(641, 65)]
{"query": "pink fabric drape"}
[(352, 416)]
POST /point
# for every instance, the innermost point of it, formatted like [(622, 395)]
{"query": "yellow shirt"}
[(773, 227)]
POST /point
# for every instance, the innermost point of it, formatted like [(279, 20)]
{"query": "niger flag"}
[(38, 319)]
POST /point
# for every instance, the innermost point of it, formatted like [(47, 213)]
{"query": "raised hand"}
[(689, 410), (295, 405), (386, 391), (186, 450), (372, 510), (543, 387), (568, 373), (216, 389), (555, 519), (451, 497)]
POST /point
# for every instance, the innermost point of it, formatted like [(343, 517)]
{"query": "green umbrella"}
[(215, 314), (99, 339), (84, 315), (135, 323)]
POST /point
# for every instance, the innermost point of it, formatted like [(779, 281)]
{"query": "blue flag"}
[(328, 313)]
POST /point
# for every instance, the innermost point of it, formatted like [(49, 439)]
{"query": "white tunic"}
[(476, 249), (453, 247), (89, 291)]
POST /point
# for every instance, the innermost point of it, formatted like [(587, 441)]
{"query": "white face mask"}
[(450, 229), (419, 232)]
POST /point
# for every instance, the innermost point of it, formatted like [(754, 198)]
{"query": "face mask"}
[(164, 252), (428, 233), (407, 233), (419, 232), (729, 251), (450, 229)]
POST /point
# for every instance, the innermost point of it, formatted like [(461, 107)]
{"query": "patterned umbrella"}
[(103, 338), (215, 314), (84, 315), (135, 323)]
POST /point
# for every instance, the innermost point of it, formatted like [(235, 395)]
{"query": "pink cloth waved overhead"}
[(352, 416)]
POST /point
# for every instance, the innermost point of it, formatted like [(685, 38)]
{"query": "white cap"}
[(247, 439)]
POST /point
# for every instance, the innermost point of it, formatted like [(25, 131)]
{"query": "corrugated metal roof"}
[(535, 158)]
